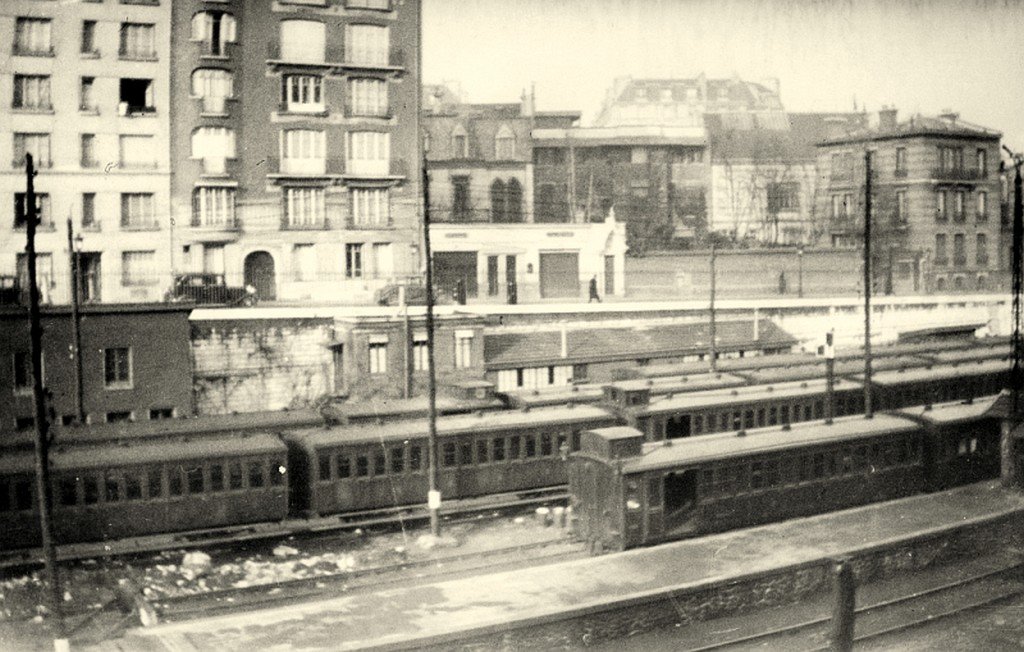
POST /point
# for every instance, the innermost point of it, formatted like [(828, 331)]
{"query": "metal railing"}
[(957, 174)]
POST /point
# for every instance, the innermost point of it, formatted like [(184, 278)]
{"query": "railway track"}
[(891, 616)]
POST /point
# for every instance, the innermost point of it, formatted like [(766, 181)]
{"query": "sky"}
[(919, 56)]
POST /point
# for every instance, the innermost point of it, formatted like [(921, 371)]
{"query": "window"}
[(302, 151), (138, 268), (89, 37), (397, 459), (32, 36), (136, 96), (137, 41), (214, 29), (367, 45), (981, 160), (504, 144), (302, 93), (22, 372), (158, 414), (982, 206), (981, 247), (303, 41), (216, 477), (498, 200), (353, 260), (841, 206), (638, 155), (89, 151), (304, 256), (959, 250), (368, 4), (32, 92), (940, 249), (213, 258), (901, 207), (44, 273), (383, 261), (378, 357), (940, 205), (213, 207), (463, 349), (492, 276), (368, 97), (369, 152), (419, 352), (235, 475), (138, 211), (783, 197), (42, 210), (117, 368), (370, 207), (460, 143), (461, 211), (38, 145), (89, 210), (213, 85), (901, 161), (214, 145), (959, 213), (86, 94), (305, 207)]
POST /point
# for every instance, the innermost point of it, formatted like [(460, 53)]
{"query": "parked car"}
[(210, 288)]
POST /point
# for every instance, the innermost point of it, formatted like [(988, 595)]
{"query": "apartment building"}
[(935, 196), (85, 89), (296, 146)]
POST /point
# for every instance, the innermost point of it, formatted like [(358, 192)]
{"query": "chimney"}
[(527, 107), (948, 114), (887, 119)]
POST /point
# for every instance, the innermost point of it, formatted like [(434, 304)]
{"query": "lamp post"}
[(800, 272)]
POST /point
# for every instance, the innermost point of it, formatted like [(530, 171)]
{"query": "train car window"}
[(91, 486), (563, 444), (256, 474), (175, 485), (737, 420), (545, 445), (756, 475), (773, 415), (397, 459), (216, 477), (819, 409), (698, 424), (132, 486), (466, 453), (362, 466), (760, 417), (481, 451), (576, 438), (344, 467), (22, 495), (772, 473), (808, 412), (531, 446), (653, 493), (415, 458), (498, 449), (379, 467), (5, 496), (784, 414), (448, 455), (154, 483), (748, 419), (235, 475), (513, 448), (277, 470), (68, 491), (195, 479), (325, 466)]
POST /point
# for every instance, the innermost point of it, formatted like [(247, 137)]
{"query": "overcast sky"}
[(966, 55)]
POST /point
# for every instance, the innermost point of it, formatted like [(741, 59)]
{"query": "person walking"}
[(593, 290)]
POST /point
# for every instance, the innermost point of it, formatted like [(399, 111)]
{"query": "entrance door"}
[(259, 273), (677, 426), (680, 498), (511, 284), (450, 267), (89, 279), (609, 275), (559, 275)]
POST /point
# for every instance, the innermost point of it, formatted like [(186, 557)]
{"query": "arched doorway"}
[(259, 273)]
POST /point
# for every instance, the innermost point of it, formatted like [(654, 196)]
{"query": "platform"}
[(439, 613)]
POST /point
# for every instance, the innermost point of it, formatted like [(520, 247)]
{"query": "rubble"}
[(285, 551)]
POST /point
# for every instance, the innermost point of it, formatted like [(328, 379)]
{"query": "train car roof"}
[(950, 412), (130, 454), (742, 395), (16, 462), (724, 364), (679, 452), (560, 395), (976, 353), (897, 376), (680, 383), (450, 425)]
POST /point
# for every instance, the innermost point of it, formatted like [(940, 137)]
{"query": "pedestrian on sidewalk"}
[(593, 290)]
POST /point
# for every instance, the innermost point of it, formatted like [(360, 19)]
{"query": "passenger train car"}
[(626, 493)]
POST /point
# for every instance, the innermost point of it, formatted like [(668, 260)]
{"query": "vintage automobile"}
[(210, 288)]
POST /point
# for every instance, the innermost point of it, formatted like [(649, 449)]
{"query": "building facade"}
[(935, 195), (85, 89), (295, 140)]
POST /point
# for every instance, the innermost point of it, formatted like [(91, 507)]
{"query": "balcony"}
[(390, 170), (337, 60), (305, 223), (214, 106), (957, 174), (216, 228), (40, 164), (331, 58), (26, 51), (45, 224), (392, 60), (129, 55), (140, 224), (960, 261), (385, 113)]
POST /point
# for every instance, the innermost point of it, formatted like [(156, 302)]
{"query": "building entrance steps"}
[(442, 612)]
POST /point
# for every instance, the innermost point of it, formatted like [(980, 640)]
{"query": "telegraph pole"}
[(76, 326), (712, 345), (42, 429), (433, 495), (1016, 372), (867, 286)]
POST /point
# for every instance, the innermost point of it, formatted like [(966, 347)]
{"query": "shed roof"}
[(952, 412), (742, 395), (897, 376)]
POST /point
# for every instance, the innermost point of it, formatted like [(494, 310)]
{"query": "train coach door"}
[(680, 496), (678, 426)]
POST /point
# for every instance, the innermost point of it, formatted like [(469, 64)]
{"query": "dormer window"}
[(504, 144), (460, 143)]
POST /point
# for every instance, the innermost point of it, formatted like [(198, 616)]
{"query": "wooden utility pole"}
[(867, 286), (712, 345), (76, 326), (42, 429), (433, 495)]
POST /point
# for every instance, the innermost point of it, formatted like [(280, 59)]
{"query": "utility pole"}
[(712, 345), (800, 272), (433, 495), (867, 286), (1016, 372), (76, 326), (42, 430)]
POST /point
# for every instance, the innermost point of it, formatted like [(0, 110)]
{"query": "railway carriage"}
[(361, 468), (18, 511), (626, 493), (900, 388)]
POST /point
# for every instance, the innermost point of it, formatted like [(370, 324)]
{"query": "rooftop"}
[(946, 125)]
